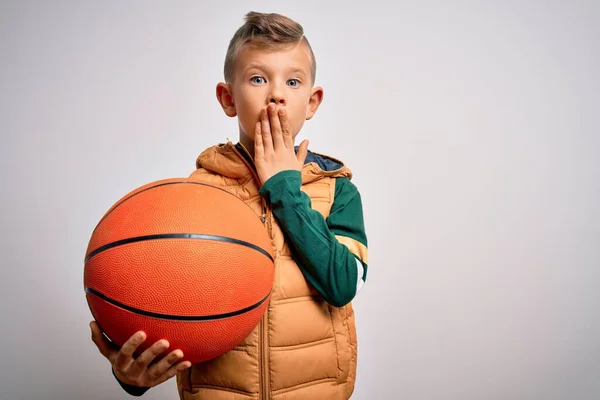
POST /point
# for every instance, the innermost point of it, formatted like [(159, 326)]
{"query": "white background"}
[(472, 130)]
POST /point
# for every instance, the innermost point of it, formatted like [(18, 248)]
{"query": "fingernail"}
[(185, 365), (281, 111)]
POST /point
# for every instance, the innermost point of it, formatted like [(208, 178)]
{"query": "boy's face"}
[(281, 76)]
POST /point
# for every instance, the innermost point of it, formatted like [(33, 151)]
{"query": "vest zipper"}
[(241, 151), (263, 344), (263, 329)]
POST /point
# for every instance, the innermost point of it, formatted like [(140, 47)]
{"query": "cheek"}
[(296, 123), (299, 114), (248, 116), (247, 106)]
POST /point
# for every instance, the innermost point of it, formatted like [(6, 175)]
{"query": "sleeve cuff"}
[(280, 185), (131, 389)]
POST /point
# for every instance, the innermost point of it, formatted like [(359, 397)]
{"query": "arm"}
[(332, 253)]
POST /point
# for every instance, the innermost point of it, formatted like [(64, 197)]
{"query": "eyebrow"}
[(257, 66), (265, 67)]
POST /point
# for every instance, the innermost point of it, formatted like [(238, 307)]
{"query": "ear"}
[(225, 98), (316, 97)]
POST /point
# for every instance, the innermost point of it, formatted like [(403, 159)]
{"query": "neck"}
[(247, 143)]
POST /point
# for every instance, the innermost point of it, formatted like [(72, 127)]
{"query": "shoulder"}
[(320, 165), (345, 190)]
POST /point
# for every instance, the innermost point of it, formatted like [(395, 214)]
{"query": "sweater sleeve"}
[(332, 252), (130, 389)]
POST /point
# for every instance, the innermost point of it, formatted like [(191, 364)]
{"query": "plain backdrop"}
[(472, 131)]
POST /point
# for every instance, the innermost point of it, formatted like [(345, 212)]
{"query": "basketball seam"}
[(195, 236), (152, 314)]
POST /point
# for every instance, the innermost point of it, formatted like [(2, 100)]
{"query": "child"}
[(305, 345)]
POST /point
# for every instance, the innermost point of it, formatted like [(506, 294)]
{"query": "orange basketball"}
[(182, 261)]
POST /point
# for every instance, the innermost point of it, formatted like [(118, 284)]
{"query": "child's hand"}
[(274, 144), (136, 371)]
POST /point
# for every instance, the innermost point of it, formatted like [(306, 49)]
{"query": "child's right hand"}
[(136, 372)]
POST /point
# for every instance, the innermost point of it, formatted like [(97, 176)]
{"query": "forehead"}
[(295, 56)]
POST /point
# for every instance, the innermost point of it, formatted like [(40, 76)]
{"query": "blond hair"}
[(265, 31)]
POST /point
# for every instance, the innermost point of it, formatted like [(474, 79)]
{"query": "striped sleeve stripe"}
[(360, 273), (355, 247)]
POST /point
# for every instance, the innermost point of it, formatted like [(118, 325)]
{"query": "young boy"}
[(305, 345)]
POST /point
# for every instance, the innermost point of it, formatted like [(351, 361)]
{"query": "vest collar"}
[(233, 161)]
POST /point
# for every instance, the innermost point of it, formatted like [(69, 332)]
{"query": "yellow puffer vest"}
[(303, 348)]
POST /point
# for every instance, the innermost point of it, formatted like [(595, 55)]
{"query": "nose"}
[(276, 96), (277, 100)]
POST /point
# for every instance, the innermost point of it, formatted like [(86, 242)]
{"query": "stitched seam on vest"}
[(300, 299), (248, 199), (303, 385), (223, 389), (228, 183), (243, 349), (302, 345), (346, 323), (337, 353)]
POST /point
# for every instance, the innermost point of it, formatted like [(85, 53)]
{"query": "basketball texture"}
[(182, 261)]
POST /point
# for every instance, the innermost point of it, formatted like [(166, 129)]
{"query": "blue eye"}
[(294, 80), (254, 79)]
